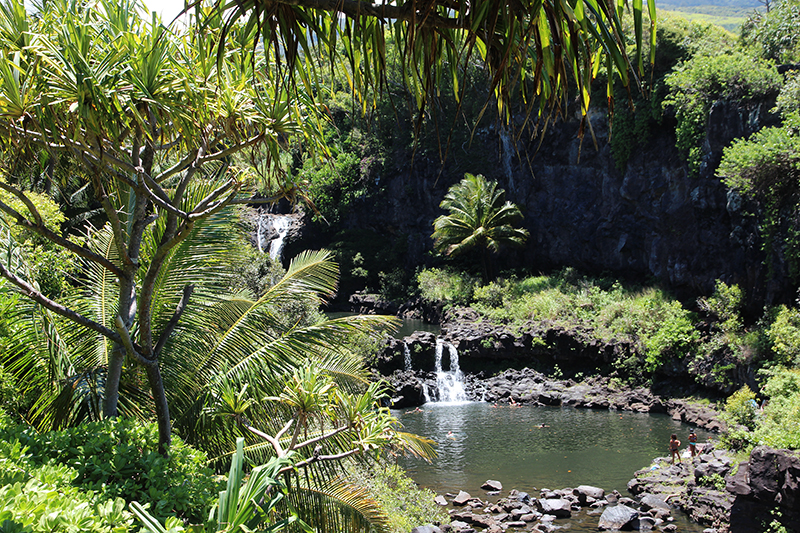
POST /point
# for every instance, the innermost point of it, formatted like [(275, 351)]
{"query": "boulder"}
[(440, 500), (429, 528), (644, 523), (617, 517), (585, 492), (559, 508), (650, 501), (492, 485), (775, 476), (461, 498)]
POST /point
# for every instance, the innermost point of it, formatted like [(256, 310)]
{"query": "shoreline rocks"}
[(530, 387), (554, 509)]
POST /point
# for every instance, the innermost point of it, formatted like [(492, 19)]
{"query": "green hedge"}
[(114, 459)]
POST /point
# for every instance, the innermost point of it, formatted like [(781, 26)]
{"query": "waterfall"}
[(508, 152), (281, 226), (260, 232), (450, 384), (406, 357)]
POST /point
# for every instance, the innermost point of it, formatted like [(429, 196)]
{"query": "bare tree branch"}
[(60, 241), (56, 307), (325, 436), (168, 329), (319, 458)]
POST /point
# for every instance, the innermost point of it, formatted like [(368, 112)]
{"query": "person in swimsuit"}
[(692, 443), (674, 446)]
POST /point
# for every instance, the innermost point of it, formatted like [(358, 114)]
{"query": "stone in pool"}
[(461, 498), (491, 484), (559, 508), (617, 517)]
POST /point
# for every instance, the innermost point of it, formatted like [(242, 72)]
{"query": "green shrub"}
[(741, 409), (699, 82), (37, 497), (784, 336), (446, 286), (491, 295), (675, 336), (779, 425), (766, 168), (774, 35), (405, 503), (118, 458), (724, 305)]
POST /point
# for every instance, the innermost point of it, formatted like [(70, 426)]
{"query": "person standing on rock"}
[(692, 443), (674, 447)]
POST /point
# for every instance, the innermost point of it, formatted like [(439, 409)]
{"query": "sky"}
[(168, 9)]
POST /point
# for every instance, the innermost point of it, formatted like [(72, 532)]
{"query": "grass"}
[(730, 17)]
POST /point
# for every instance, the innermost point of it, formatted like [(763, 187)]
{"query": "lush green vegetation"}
[(661, 331), (142, 352), (771, 417), (478, 220)]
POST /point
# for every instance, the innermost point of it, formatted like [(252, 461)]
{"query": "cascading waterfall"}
[(406, 357), (508, 152), (450, 384), (281, 226)]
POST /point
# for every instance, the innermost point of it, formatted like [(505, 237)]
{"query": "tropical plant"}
[(479, 218), (154, 123), (243, 505), (773, 35), (701, 81), (541, 50)]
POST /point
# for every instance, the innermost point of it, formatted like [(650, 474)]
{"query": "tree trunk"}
[(115, 361), (162, 409)]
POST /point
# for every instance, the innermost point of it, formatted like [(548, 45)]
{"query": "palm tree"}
[(479, 219)]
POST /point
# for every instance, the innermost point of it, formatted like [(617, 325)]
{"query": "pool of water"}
[(410, 325), (477, 442)]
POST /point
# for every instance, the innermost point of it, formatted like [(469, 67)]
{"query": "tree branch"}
[(318, 458), (222, 154), (406, 12), (326, 436), (59, 240), (56, 307), (128, 343), (184, 301)]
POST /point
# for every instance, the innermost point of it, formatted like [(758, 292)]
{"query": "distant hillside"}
[(729, 14)]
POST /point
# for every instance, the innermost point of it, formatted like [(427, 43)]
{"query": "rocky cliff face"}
[(654, 220)]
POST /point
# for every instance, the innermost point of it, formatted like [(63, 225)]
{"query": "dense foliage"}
[(479, 220), (84, 477), (697, 84), (773, 35)]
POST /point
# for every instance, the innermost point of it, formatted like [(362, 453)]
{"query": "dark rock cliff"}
[(653, 221)]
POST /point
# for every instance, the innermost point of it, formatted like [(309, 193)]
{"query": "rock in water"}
[(440, 500), (559, 508), (491, 484), (584, 492), (649, 501), (461, 498), (617, 517)]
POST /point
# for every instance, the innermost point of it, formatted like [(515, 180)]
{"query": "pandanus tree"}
[(156, 128), (479, 220), (538, 52)]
